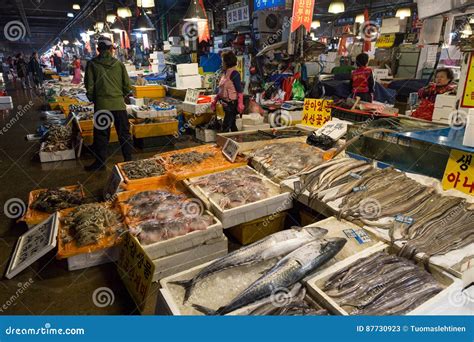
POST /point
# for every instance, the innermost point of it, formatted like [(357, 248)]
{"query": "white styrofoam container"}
[(189, 69), (171, 113), (442, 114), (247, 212), (252, 119), (327, 302), (86, 260), (196, 108), (6, 100), (6, 106), (255, 127), (137, 101), (448, 101), (46, 157), (239, 123), (205, 135), (143, 114), (186, 82)]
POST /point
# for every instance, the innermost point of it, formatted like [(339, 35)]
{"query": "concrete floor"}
[(50, 288)]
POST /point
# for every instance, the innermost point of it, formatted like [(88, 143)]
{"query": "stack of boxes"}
[(6, 103), (393, 25), (157, 61), (444, 106), (187, 76)]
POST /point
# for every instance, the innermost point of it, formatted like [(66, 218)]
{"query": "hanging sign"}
[(468, 93), (238, 16), (316, 112), (136, 270), (385, 41), (266, 4), (302, 14), (192, 95), (459, 173)]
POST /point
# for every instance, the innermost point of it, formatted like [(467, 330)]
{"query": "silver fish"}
[(272, 246), (289, 270)]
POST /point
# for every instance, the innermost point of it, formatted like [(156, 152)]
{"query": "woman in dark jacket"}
[(36, 71), (22, 71)]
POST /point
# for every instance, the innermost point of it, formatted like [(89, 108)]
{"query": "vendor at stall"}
[(230, 92), (362, 81), (443, 85)]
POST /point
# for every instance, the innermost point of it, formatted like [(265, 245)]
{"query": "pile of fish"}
[(88, 223), (143, 169), (381, 284), (303, 250), (426, 221), (279, 161), (58, 138), (52, 200), (188, 158), (160, 215), (292, 303), (235, 187)]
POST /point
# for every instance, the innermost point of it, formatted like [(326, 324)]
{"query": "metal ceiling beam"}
[(21, 9)]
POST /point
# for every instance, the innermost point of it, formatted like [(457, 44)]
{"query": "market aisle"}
[(55, 290)]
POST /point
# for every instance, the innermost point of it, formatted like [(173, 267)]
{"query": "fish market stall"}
[(59, 143), (145, 173)]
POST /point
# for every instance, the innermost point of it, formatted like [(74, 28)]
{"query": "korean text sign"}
[(459, 173), (316, 112)]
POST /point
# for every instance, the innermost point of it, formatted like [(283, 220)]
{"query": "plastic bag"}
[(298, 91)]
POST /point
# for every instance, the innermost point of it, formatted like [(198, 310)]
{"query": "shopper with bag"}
[(36, 70), (107, 84), (230, 92)]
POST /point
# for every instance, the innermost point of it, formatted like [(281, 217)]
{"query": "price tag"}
[(316, 112), (113, 184), (359, 188), (34, 244), (404, 219), (192, 95), (136, 270), (230, 150), (385, 41), (459, 172), (333, 129), (70, 118)]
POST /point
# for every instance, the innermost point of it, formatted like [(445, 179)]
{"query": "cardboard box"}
[(186, 82), (189, 69)]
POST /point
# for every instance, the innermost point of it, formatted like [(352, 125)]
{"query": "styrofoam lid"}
[(34, 244)]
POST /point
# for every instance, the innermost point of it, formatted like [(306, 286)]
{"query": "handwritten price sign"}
[(459, 173), (316, 112)]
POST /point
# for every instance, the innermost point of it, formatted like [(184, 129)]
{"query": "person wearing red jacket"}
[(362, 80), (443, 85), (230, 93)]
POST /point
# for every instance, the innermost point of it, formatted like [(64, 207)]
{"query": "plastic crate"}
[(154, 129), (149, 91)]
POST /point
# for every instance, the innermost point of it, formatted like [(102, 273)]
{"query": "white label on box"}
[(230, 150), (334, 130), (113, 184), (192, 95)]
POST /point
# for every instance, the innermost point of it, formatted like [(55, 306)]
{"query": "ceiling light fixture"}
[(117, 26), (403, 13), (195, 12), (146, 3), (110, 18), (359, 19), (315, 24), (336, 7), (76, 7), (143, 22), (124, 12), (70, 15)]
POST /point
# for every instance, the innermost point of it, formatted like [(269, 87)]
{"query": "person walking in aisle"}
[(230, 92), (107, 84), (76, 64), (58, 63), (22, 71), (36, 71)]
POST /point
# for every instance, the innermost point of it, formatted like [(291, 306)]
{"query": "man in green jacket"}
[(107, 84)]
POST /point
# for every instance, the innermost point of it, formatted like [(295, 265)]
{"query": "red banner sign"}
[(302, 14)]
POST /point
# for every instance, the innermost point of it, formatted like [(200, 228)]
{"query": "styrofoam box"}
[(295, 115), (239, 123), (196, 108), (247, 212), (137, 101), (130, 67), (442, 113), (205, 135), (252, 119), (189, 69), (187, 259), (46, 157), (6, 106), (186, 82), (380, 74), (448, 101), (393, 29), (86, 260), (255, 127), (6, 100), (143, 114), (176, 50), (314, 284)]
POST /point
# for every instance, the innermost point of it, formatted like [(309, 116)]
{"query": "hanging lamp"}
[(336, 7), (124, 12), (403, 13), (143, 22), (195, 12)]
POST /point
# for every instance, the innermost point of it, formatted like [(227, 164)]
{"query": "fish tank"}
[(416, 146)]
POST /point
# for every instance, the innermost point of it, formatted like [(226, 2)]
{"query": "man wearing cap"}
[(107, 83)]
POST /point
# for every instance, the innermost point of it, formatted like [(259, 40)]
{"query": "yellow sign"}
[(240, 66), (316, 112), (468, 93), (385, 41), (136, 270), (459, 173)]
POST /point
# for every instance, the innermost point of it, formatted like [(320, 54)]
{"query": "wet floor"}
[(47, 287)]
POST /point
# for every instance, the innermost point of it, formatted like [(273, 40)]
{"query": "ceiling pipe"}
[(21, 9)]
